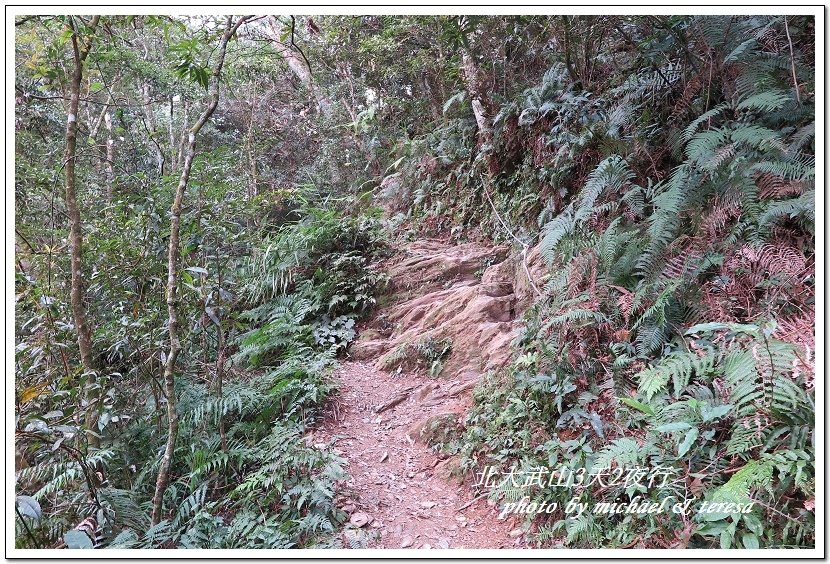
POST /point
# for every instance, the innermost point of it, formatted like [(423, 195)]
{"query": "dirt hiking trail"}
[(405, 388), (400, 493)]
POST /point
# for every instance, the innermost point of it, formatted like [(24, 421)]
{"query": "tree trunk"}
[(110, 170), (172, 138), (76, 290), (472, 80), (566, 26), (297, 64), (163, 479), (150, 120), (249, 146), (183, 137)]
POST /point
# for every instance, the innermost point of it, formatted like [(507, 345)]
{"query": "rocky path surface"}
[(400, 493), (449, 316)]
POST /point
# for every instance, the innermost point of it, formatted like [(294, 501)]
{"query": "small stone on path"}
[(360, 519)]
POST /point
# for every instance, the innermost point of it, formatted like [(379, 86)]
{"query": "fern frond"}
[(803, 207), (701, 147), (678, 367), (766, 101), (736, 490), (609, 175), (554, 232), (691, 129), (804, 169), (577, 317), (625, 452)]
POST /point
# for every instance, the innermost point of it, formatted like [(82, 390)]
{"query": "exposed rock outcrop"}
[(456, 310)]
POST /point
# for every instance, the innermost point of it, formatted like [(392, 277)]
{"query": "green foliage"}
[(314, 281), (665, 164), (426, 354), (638, 354), (325, 247), (677, 367), (186, 51), (433, 352)]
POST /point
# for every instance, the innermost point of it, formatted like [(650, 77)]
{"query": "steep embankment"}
[(451, 316)]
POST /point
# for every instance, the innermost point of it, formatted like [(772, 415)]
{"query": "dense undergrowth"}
[(245, 476), (676, 217)]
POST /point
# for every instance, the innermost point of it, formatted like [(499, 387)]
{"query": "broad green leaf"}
[(28, 507), (671, 427), (750, 541), (631, 402), (688, 441), (726, 539), (77, 539), (734, 327), (104, 420), (711, 413)]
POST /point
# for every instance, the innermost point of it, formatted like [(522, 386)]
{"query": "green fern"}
[(691, 129), (737, 490), (768, 101), (625, 452), (679, 367), (577, 317), (801, 209), (554, 232)]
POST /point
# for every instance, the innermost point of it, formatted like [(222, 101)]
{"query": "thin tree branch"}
[(792, 61), (25, 19), (297, 47)]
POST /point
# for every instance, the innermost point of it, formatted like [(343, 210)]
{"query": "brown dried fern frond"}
[(714, 223), (428, 164), (541, 151), (765, 281), (770, 259), (578, 276), (772, 186), (715, 304), (682, 264), (692, 88), (781, 258), (798, 330), (771, 40), (625, 302)]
